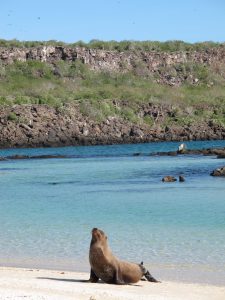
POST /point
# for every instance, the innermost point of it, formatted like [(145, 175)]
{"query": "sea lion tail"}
[(147, 274)]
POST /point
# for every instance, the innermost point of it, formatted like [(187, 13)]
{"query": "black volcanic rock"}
[(45, 126), (181, 178), (218, 172)]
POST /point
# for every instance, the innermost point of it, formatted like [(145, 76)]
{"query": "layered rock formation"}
[(150, 62)]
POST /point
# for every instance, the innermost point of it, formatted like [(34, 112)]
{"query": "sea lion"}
[(108, 268)]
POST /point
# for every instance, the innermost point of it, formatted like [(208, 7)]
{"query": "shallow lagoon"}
[(48, 208)]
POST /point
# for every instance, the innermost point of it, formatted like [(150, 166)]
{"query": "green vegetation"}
[(12, 117), (103, 94), (125, 45)]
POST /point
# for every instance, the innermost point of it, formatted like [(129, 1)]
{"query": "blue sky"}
[(73, 20)]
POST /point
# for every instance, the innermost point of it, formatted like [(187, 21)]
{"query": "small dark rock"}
[(172, 153), (183, 151), (137, 154), (47, 156), (136, 132), (17, 156), (181, 178)]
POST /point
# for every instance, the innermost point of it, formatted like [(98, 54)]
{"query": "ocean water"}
[(49, 206)]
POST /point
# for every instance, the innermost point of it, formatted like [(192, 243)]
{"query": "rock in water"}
[(181, 149), (169, 179), (218, 172), (181, 178)]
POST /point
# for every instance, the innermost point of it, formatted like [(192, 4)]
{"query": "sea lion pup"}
[(107, 267)]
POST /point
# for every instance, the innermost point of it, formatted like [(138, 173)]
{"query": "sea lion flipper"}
[(149, 277), (120, 282), (147, 274), (93, 277)]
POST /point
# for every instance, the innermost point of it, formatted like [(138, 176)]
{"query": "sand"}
[(57, 285)]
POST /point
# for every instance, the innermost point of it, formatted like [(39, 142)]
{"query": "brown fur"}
[(107, 267)]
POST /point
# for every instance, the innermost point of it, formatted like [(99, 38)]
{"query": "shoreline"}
[(80, 141), (39, 284), (219, 152), (182, 273), (201, 274)]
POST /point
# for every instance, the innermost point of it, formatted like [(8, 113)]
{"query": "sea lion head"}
[(98, 236)]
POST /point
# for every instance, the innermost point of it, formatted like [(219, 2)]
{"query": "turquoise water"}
[(48, 208)]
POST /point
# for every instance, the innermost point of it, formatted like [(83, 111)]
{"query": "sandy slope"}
[(55, 285)]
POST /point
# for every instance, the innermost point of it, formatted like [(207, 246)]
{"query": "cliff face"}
[(72, 123), (42, 126), (151, 62), (110, 60)]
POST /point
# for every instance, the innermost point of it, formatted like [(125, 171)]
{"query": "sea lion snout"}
[(95, 233), (98, 234)]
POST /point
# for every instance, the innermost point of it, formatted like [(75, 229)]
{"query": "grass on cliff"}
[(100, 94), (126, 45)]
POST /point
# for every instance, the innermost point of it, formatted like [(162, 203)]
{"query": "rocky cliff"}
[(44, 126), (122, 120), (99, 60)]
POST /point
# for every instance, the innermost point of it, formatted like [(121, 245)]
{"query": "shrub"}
[(148, 120), (12, 116)]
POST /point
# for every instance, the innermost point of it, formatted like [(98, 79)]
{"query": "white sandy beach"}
[(17, 284)]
